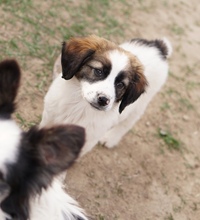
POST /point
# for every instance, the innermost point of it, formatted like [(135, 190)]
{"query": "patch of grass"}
[(96, 9), (17, 5), (169, 217), (176, 29), (178, 78), (119, 190), (42, 79), (192, 85), (172, 91), (195, 206), (101, 217), (23, 122), (191, 69), (170, 141), (183, 102), (165, 106), (186, 103), (177, 209)]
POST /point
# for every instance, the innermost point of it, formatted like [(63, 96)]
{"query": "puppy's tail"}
[(166, 47)]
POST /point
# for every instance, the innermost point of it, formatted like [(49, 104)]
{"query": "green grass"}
[(176, 29), (186, 103), (165, 106), (35, 31), (101, 217), (183, 104), (24, 123), (169, 217), (171, 142), (36, 25), (192, 85)]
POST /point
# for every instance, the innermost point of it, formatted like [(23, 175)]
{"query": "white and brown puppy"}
[(105, 87)]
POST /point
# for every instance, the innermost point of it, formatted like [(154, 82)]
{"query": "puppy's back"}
[(158, 47)]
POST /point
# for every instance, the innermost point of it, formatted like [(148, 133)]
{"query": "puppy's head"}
[(108, 74), (29, 160)]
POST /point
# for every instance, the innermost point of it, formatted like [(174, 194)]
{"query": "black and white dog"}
[(105, 87), (30, 160)]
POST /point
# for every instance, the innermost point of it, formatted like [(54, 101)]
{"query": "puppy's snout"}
[(103, 101)]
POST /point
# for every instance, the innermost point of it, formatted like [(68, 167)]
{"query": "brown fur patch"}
[(77, 51), (91, 42), (137, 82), (100, 62), (139, 78)]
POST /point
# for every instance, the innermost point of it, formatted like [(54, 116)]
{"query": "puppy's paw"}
[(109, 141)]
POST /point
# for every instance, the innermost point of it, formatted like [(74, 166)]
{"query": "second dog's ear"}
[(9, 84), (74, 55), (57, 147)]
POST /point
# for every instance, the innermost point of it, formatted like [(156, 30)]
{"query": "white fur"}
[(8, 146), (67, 100), (169, 46), (3, 216), (55, 204)]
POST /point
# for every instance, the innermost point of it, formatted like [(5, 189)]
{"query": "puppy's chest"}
[(95, 122)]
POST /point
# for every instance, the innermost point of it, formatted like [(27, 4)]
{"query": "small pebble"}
[(148, 123), (185, 118), (162, 132)]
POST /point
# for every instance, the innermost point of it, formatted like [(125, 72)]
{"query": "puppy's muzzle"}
[(103, 101)]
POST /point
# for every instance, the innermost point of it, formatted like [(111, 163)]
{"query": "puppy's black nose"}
[(103, 101)]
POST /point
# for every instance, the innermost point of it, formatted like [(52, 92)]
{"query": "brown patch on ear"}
[(77, 51), (137, 84)]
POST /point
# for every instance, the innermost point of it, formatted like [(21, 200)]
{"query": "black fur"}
[(159, 44), (4, 188), (119, 92), (79, 218), (9, 83)]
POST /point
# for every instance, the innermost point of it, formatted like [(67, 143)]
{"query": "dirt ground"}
[(154, 173)]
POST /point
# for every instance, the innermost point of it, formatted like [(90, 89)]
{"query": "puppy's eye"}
[(98, 72), (120, 85)]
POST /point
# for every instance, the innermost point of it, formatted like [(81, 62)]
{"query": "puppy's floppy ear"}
[(57, 147), (9, 84), (74, 55), (135, 88)]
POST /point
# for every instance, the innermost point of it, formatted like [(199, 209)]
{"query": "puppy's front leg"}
[(115, 134)]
